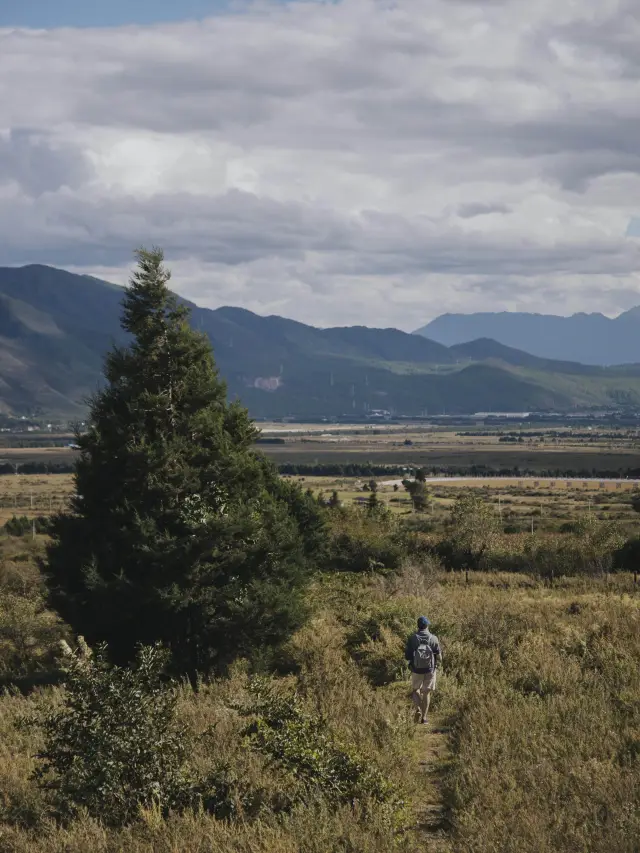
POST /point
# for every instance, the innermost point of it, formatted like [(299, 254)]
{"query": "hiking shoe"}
[(424, 721)]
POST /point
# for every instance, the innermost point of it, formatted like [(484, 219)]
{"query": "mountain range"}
[(55, 327), (586, 338)]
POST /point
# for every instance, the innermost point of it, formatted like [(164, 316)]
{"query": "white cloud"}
[(337, 163)]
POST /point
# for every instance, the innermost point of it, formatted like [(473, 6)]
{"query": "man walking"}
[(424, 654)]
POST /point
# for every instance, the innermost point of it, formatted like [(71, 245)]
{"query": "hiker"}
[(424, 654)]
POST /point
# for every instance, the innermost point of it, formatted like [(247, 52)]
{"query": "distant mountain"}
[(56, 326), (586, 338), (485, 349)]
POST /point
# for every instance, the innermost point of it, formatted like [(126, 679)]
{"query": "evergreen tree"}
[(179, 532), (419, 496), (334, 500), (418, 493), (373, 502)]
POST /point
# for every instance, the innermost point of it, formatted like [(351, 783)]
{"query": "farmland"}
[(549, 502), (34, 494), (616, 451), (534, 449), (522, 501), (518, 502)]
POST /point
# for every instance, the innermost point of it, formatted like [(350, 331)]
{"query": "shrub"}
[(364, 540), (21, 525), (302, 745), (28, 635), (29, 631), (377, 642), (114, 747), (472, 532)]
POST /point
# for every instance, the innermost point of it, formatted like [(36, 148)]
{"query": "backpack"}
[(423, 657)]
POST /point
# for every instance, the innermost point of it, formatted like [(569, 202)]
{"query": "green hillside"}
[(55, 327)]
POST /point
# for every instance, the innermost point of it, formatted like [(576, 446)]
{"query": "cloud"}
[(471, 209), (37, 164), (349, 162)]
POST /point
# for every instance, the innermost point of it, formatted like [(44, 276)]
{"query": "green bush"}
[(115, 747), (21, 525), (591, 548), (28, 635), (377, 642), (302, 745), (364, 540), (29, 631)]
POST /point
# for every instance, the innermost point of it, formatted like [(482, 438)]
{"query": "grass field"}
[(549, 503), (546, 715), (533, 746), (33, 494), (515, 499)]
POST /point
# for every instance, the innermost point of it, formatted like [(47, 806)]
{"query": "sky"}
[(103, 13), (353, 162)]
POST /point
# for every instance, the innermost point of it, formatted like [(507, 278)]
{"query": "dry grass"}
[(33, 494), (39, 485), (544, 687), (541, 689), (549, 502)]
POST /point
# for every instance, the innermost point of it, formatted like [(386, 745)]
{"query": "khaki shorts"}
[(423, 682)]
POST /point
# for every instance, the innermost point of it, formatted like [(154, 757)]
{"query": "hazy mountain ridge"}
[(56, 326), (592, 339)]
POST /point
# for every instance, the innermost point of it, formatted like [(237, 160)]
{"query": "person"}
[(424, 654)]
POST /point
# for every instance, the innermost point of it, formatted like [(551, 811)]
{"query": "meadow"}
[(534, 742), (521, 504), (33, 495)]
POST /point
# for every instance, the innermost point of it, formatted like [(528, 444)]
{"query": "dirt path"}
[(432, 754)]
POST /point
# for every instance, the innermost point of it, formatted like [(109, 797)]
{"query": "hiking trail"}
[(433, 753)]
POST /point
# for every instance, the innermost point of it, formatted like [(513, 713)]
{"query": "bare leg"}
[(424, 706)]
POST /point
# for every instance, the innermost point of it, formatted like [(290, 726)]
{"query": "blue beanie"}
[(423, 622)]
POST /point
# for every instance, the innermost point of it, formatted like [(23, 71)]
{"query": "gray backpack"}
[(423, 657)]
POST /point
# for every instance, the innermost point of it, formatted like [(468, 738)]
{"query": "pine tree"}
[(419, 496), (179, 532), (373, 502), (418, 493), (334, 500)]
